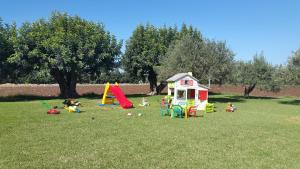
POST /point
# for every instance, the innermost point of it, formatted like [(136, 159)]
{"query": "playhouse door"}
[(191, 97)]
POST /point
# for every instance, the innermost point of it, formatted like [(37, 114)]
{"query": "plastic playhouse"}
[(113, 93), (186, 92)]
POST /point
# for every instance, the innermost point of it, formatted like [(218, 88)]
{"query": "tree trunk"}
[(67, 83), (161, 86), (68, 91), (153, 81), (249, 89)]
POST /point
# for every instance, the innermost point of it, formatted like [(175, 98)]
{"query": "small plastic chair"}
[(192, 110), (164, 109), (177, 110)]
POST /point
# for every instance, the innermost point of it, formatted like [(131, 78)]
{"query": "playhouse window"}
[(172, 92), (203, 95), (186, 82), (181, 94)]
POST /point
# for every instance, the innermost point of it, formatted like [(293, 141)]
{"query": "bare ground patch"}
[(294, 119)]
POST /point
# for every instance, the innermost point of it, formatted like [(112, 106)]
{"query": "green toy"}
[(177, 111), (209, 108), (46, 105), (164, 109)]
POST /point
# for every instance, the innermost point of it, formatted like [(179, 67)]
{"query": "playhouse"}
[(184, 89)]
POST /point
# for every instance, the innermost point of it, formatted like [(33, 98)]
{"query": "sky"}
[(248, 26)]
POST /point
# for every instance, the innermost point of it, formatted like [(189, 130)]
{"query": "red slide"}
[(117, 92)]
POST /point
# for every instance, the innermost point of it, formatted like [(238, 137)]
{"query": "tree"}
[(206, 59), (66, 47), (7, 32), (144, 49), (147, 47), (294, 68), (220, 60), (256, 72)]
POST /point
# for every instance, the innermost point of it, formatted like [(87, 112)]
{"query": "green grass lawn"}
[(262, 133)]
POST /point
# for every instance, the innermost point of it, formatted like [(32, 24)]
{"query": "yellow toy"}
[(209, 108), (107, 96), (72, 109), (71, 105)]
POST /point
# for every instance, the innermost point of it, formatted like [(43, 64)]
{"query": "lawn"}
[(262, 133)]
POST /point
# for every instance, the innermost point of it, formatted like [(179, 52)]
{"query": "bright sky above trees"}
[(248, 27)]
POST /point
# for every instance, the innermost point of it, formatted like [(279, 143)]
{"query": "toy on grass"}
[(72, 109), (209, 108), (230, 108), (191, 110), (112, 92), (165, 107), (177, 111), (52, 110), (144, 102), (71, 105)]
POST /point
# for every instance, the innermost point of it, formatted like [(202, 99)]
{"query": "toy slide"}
[(117, 92)]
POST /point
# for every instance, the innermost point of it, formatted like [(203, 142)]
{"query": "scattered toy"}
[(71, 105), (144, 102), (230, 108), (52, 109)]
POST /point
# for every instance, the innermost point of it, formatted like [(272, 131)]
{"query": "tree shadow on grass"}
[(19, 98), (253, 97), (225, 100), (232, 99), (290, 102), (214, 94)]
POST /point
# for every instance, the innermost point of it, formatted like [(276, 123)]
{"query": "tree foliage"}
[(144, 49), (147, 47), (7, 34), (257, 72), (68, 48), (205, 58), (293, 67)]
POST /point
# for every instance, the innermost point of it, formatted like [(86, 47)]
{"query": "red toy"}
[(53, 111)]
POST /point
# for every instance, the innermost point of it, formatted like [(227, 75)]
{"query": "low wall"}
[(238, 89), (52, 90)]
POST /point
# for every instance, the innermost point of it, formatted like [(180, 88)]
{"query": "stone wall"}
[(52, 90)]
